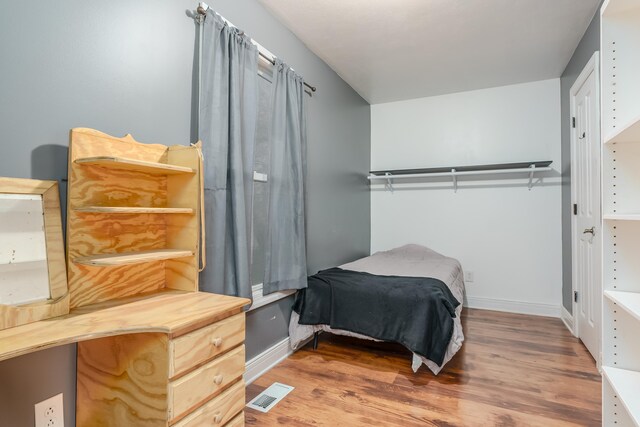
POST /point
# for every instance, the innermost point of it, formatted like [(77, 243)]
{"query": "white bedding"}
[(408, 260)]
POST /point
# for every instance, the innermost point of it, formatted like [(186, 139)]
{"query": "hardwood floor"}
[(513, 370)]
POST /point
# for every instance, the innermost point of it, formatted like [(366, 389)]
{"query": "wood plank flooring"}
[(513, 370)]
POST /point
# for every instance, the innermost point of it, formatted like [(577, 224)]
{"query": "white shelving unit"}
[(620, 47), (625, 386)]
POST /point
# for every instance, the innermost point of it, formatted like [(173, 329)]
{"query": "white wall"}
[(508, 236)]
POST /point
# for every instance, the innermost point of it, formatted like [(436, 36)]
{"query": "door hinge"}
[(575, 209), (573, 122), (575, 296)]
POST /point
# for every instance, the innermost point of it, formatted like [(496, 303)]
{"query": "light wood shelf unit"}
[(620, 42), (133, 210), (130, 258), (152, 350), (134, 217), (135, 165)]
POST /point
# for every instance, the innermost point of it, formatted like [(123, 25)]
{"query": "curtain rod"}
[(202, 10)]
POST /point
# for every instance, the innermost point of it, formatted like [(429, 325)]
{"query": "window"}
[(261, 191)]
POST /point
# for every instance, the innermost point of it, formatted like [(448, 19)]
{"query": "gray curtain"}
[(226, 127), (286, 265)]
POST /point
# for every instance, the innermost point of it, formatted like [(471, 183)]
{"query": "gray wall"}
[(588, 45), (123, 66)]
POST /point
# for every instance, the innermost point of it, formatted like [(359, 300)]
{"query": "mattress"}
[(412, 261)]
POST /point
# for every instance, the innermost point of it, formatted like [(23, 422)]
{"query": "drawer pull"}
[(217, 342), (217, 418), (218, 379)]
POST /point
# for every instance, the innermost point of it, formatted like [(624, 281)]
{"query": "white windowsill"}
[(260, 300)]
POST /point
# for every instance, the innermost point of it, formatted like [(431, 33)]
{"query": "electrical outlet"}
[(50, 412), (468, 276)]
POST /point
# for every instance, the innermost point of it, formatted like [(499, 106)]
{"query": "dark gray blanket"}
[(416, 312)]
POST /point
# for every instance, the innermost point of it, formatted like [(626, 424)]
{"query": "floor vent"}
[(270, 397)]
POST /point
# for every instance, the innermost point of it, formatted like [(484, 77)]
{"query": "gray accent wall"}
[(588, 45), (129, 67)]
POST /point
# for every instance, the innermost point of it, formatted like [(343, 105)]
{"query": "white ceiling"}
[(391, 50)]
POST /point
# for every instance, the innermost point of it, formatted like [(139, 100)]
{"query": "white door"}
[(585, 186)]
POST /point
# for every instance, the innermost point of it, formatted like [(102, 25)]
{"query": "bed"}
[(408, 262)]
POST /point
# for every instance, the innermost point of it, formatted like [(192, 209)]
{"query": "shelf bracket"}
[(455, 180), (389, 184), (533, 169)]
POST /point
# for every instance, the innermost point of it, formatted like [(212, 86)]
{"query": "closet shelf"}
[(622, 217), (626, 384), (128, 258), (628, 133), (121, 163), (132, 210), (628, 301), (529, 168)]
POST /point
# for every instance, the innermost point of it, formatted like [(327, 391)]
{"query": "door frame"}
[(592, 66)]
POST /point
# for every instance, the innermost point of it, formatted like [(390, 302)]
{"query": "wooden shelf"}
[(128, 258), (122, 163), (628, 133), (622, 217), (31, 261), (133, 210), (626, 384), (628, 301), (171, 312)]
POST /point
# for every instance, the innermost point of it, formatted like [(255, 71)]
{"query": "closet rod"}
[(202, 10)]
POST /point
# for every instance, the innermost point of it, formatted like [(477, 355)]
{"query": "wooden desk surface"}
[(171, 312)]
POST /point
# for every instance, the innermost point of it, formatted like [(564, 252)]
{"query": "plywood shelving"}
[(133, 217), (620, 33), (133, 210), (130, 258), (151, 350), (135, 165)]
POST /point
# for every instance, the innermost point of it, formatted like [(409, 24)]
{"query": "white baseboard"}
[(567, 318), (520, 307), (266, 360)]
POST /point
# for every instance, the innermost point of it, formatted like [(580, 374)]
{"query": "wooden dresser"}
[(152, 350), (190, 375), (171, 358)]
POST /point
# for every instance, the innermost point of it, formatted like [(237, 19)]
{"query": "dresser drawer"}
[(200, 385), (219, 410), (203, 344)]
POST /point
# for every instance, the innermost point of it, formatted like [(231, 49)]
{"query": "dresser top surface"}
[(172, 312)]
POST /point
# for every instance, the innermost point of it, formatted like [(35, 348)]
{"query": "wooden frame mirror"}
[(33, 276)]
